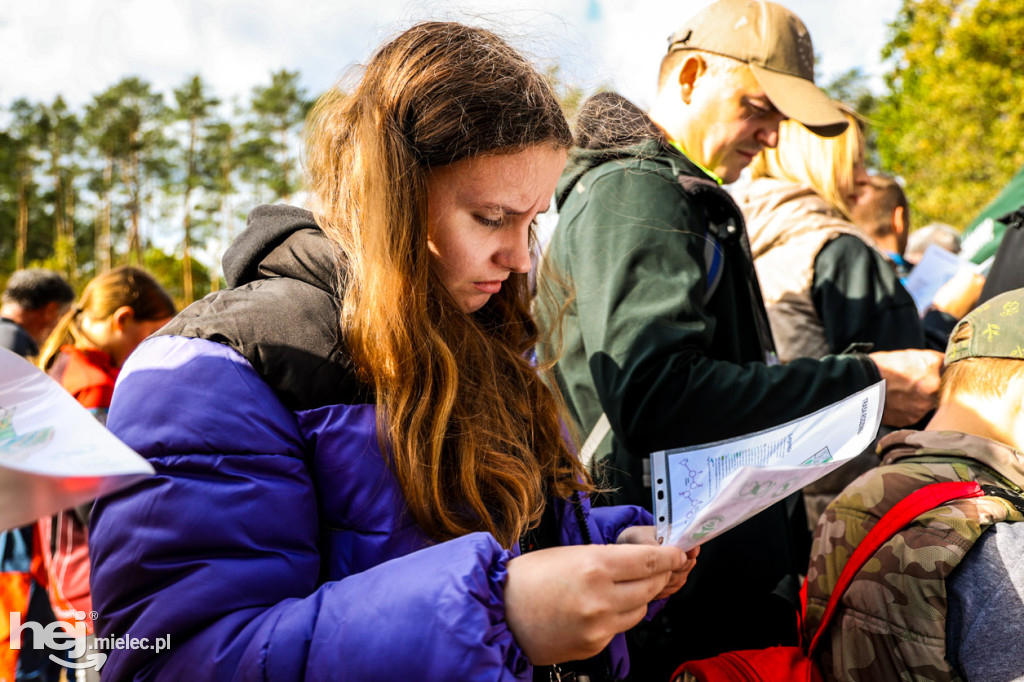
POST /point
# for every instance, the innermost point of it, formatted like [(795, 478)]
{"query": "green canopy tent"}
[(981, 238)]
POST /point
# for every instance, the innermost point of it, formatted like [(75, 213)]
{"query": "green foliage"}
[(851, 88), (82, 191), (951, 123), (138, 176), (277, 113), (167, 269)]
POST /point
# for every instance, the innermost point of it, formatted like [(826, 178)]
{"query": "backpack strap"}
[(597, 434), (896, 519)]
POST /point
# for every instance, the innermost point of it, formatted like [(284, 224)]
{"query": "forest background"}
[(165, 179)]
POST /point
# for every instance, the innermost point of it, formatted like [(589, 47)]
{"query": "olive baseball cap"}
[(995, 329), (776, 45)]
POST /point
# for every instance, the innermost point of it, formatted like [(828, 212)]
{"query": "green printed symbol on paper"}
[(756, 488), (784, 488), (15, 447), (708, 527), (820, 457)]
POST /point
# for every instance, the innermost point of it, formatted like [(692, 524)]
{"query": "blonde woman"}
[(360, 475), (825, 285)]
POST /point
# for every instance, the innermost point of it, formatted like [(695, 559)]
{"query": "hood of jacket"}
[(999, 457), (281, 309), (282, 241)]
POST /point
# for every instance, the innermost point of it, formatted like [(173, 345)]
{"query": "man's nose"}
[(769, 135)]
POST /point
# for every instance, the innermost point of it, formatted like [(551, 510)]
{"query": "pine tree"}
[(196, 107), (61, 134), (107, 146), (277, 112), (23, 158)]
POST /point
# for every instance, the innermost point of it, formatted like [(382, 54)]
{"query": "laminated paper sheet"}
[(702, 491), (53, 453)]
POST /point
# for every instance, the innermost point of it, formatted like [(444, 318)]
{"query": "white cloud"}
[(79, 47)]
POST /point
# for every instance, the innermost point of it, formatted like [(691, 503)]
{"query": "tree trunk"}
[(227, 221), (69, 226), (59, 239), (186, 265), (103, 231), (134, 241), (286, 163), (21, 241)]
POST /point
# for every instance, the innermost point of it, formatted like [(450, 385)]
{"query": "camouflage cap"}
[(995, 329)]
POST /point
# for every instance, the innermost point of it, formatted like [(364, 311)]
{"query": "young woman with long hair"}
[(360, 475), (117, 310)]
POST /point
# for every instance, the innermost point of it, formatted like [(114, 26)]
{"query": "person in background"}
[(32, 302), (666, 342), (941, 600), (84, 353), (882, 211), (940, 234), (1007, 268), (360, 474), (825, 285)]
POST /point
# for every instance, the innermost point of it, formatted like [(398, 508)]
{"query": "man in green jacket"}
[(663, 327)]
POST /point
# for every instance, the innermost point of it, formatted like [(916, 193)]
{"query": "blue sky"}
[(79, 47)]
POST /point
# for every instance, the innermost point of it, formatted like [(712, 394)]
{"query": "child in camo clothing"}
[(939, 601)]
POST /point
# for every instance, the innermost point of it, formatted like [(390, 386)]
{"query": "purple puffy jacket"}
[(273, 542)]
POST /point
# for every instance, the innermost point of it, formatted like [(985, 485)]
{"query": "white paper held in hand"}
[(53, 453), (704, 490)]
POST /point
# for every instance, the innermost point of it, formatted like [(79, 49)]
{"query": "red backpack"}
[(792, 663)]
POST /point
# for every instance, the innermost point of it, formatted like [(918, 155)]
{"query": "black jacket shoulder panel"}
[(283, 314)]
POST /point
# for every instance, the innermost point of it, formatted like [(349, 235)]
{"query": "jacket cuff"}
[(516, 661), (870, 369)]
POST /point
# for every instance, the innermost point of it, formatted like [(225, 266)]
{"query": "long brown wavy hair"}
[(475, 437)]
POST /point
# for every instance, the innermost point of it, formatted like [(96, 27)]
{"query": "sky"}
[(77, 48)]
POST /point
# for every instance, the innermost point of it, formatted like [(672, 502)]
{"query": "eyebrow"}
[(762, 101), (508, 210)]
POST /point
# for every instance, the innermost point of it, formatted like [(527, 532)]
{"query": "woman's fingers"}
[(561, 603), (634, 562)]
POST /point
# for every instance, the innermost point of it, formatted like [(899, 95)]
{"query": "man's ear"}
[(900, 224), (692, 68)]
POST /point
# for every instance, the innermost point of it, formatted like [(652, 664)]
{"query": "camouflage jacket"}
[(891, 623)]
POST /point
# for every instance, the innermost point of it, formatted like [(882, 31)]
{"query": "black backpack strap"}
[(1005, 494)]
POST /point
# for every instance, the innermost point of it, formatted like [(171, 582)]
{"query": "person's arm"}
[(859, 299), (220, 550), (985, 606), (635, 257), (953, 300)]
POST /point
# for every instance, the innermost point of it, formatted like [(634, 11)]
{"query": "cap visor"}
[(802, 101)]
